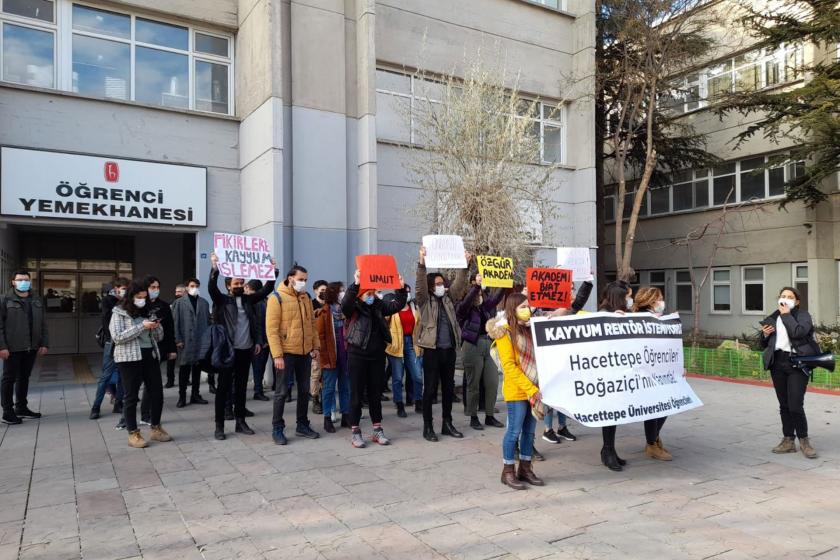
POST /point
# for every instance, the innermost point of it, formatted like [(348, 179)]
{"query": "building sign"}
[(39, 184)]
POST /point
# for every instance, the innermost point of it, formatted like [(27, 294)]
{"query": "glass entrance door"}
[(92, 288), (74, 309)]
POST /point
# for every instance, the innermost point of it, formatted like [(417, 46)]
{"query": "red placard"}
[(377, 272), (550, 288)]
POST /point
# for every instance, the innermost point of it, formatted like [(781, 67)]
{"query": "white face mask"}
[(154, 294), (629, 303), (139, 303), (121, 293), (192, 291), (659, 307), (790, 303), (440, 291), (300, 285), (341, 295)]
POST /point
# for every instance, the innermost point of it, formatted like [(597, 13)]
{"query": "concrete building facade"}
[(267, 117)]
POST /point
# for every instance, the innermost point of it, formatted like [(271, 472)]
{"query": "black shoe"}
[(418, 407), (212, 389), (261, 397), (303, 430), (182, 402), (242, 427), (429, 433), (566, 434), (197, 399), (447, 429), (475, 423), (94, 413), (328, 425), (610, 459), (279, 436), (118, 407), (289, 397), (621, 461), (229, 414), (401, 410), (317, 408), (248, 414), (456, 399), (492, 422), (536, 455), (550, 436), (345, 421), (220, 431), (383, 398), (169, 384), (10, 417)]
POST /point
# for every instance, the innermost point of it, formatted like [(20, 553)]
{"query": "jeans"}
[(297, 367), (184, 374), (366, 376), (478, 366), (236, 379), (438, 367), (652, 429), (134, 374), (109, 367), (548, 420), (258, 366), (790, 384), (331, 376), (520, 428), (412, 364), (397, 370), (15, 379)]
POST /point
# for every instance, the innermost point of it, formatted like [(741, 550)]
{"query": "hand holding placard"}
[(550, 288)]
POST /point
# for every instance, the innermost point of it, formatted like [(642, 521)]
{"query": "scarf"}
[(525, 353)]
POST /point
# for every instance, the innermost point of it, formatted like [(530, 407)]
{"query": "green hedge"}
[(744, 364)]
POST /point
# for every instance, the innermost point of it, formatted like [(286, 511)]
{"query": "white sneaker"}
[(357, 440), (334, 417), (379, 437)]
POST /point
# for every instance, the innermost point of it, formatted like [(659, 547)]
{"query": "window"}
[(660, 200), (115, 55), (656, 279), (721, 290), (753, 288), (752, 178), (685, 294), (723, 185), (609, 204), (800, 282), (556, 4)]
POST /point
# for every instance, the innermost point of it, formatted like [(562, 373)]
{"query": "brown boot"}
[(660, 446), (159, 434), (807, 450), (136, 441), (787, 445), (526, 474), (509, 478), (656, 452)]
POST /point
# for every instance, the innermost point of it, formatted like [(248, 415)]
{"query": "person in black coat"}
[(368, 334), (789, 330), (161, 309)]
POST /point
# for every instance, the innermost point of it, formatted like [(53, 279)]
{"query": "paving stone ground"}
[(71, 488)]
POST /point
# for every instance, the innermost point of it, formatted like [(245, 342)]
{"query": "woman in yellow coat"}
[(512, 333)]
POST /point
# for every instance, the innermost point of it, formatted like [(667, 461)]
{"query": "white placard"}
[(444, 251), (604, 369), (243, 256), (42, 184), (577, 260)]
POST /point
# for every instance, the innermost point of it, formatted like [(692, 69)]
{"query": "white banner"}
[(43, 184), (444, 251), (575, 259), (604, 369), (243, 256)]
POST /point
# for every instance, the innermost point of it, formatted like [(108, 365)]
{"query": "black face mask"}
[(238, 292)]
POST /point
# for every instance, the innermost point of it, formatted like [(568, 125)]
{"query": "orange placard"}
[(550, 288), (377, 272)]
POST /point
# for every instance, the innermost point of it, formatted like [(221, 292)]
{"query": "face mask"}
[(192, 291), (320, 296), (523, 314), (139, 303), (790, 303), (369, 299), (659, 307), (341, 295), (23, 285), (300, 285), (237, 292), (629, 303), (440, 291), (121, 292), (153, 294)]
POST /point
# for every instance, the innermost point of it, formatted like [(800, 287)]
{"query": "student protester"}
[(789, 330), (180, 290), (413, 385), (23, 337), (235, 310), (158, 309), (333, 357), (617, 298), (191, 317), (367, 337), (650, 300), (259, 361), (109, 376), (473, 312), (315, 377), (136, 353), (438, 334), (402, 357), (293, 338), (520, 388)]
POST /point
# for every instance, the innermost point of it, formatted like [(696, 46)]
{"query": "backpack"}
[(216, 352), (101, 337)]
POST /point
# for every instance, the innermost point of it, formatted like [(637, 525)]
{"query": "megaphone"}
[(809, 363)]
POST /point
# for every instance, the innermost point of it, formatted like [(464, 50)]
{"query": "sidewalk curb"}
[(757, 383)]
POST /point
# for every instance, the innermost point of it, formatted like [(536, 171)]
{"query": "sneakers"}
[(24, 412), (10, 417), (564, 433), (787, 445), (120, 425), (278, 436), (303, 430), (807, 450), (136, 441), (475, 423), (94, 414), (145, 421), (550, 436), (357, 440), (379, 437), (159, 434)]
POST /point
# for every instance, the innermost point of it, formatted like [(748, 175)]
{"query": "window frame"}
[(713, 284), (677, 285), (38, 25), (745, 282)]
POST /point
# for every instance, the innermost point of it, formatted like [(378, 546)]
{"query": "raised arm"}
[(421, 285), (213, 287), (348, 304), (396, 303), (582, 296), (462, 308)]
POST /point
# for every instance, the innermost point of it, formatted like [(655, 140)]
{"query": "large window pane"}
[(391, 121), (101, 67), (754, 274), (609, 209), (752, 185), (748, 78), (211, 44), (777, 181), (36, 9), (754, 297), (163, 34), (721, 299), (720, 276), (162, 78), (685, 301), (724, 189), (101, 21), (211, 87), (659, 200), (720, 80), (701, 192), (391, 81), (552, 144), (683, 197), (683, 276), (28, 56)]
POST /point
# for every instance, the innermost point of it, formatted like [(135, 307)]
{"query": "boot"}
[(401, 410), (328, 425), (660, 446), (448, 429), (805, 447), (136, 441), (509, 478), (220, 431), (170, 382), (196, 398), (491, 421), (610, 459), (526, 474), (211, 382), (475, 423), (418, 407), (655, 452), (229, 413), (429, 433), (182, 402), (94, 413), (345, 421), (787, 445), (242, 427), (159, 434), (317, 407)]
